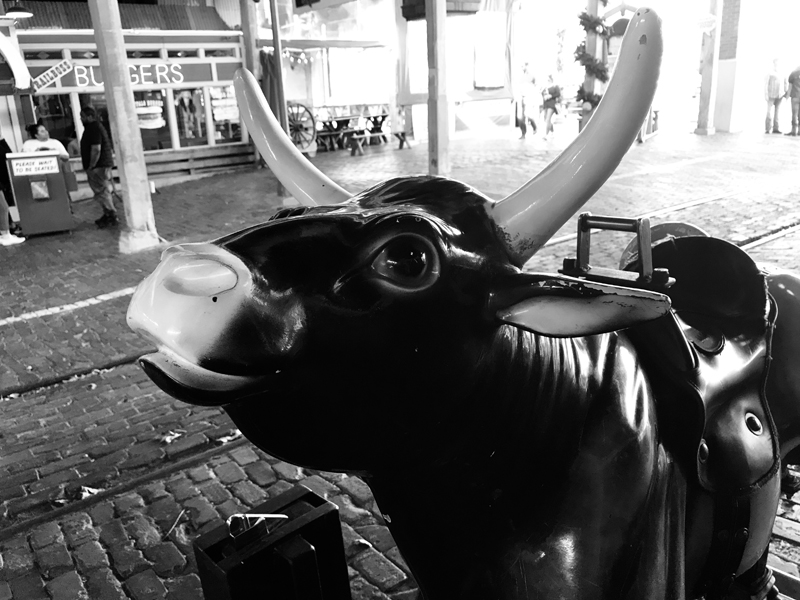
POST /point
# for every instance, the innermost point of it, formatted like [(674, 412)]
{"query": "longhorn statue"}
[(526, 435)]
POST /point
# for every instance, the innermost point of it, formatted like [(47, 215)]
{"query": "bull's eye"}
[(408, 261)]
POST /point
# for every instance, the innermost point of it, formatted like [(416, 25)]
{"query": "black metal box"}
[(297, 558)]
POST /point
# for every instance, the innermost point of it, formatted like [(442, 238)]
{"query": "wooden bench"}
[(329, 139)]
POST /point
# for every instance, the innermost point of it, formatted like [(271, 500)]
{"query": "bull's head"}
[(380, 309)]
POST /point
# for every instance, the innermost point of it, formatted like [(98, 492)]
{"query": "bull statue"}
[(526, 435)]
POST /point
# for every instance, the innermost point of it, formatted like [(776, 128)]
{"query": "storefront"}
[(182, 84)]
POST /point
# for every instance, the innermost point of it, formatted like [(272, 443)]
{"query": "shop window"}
[(43, 55), (225, 114), (144, 54), (188, 53), (231, 52), (152, 119), (191, 116)]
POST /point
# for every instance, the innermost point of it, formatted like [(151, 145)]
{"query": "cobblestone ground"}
[(107, 481)]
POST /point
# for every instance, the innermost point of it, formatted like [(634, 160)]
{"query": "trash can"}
[(288, 548), (40, 191)]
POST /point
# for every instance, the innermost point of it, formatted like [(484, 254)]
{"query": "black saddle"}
[(707, 361)]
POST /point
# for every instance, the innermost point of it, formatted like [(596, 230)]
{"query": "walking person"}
[(529, 105), (98, 159), (6, 237), (775, 89), (551, 96)]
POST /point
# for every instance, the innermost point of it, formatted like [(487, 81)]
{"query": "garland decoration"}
[(595, 24), (593, 67)]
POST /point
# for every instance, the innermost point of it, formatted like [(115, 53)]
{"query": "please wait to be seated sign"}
[(37, 165)]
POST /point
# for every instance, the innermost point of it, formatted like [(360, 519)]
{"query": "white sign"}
[(140, 74), (52, 74), (35, 165)]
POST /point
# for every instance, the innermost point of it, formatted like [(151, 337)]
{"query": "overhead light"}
[(18, 12)]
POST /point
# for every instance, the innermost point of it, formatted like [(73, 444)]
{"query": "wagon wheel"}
[(302, 126)]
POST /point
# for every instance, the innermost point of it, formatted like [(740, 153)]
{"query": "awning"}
[(310, 44)]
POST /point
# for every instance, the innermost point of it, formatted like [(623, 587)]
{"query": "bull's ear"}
[(560, 306)]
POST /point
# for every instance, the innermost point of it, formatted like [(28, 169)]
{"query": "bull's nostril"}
[(200, 277)]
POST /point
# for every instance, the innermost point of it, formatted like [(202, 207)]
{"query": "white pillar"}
[(438, 117), (140, 232)]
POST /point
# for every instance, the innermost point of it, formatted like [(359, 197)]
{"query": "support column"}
[(249, 14), (438, 117), (709, 75), (592, 7), (277, 51), (140, 231)]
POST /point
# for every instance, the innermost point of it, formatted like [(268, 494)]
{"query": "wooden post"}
[(277, 50), (140, 232), (438, 116), (709, 75)]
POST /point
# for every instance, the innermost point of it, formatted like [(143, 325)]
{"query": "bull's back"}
[(783, 382)]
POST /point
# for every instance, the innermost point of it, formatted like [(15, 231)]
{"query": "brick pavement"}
[(105, 429)]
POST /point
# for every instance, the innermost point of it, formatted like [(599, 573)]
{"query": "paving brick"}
[(248, 493), (164, 512), (320, 486), (353, 543), (187, 444), (152, 491), (200, 474), (30, 502), (78, 529), (349, 512), (62, 464), (261, 473), (187, 587), (53, 560), (230, 507), (90, 556), (101, 513), (16, 561), (102, 585), (28, 587), (288, 472), (5, 591), (394, 554), (128, 503), (68, 586), (142, 530), (146, 586), (278, 488), (143, 456), (378, 570), (200, 510), (113, 534), (243, 455), (214, 491), (46, 534), (182, 488), (127, 560), (363, 590), (357, 489), (377, 535), (166, 558), (229, 473)]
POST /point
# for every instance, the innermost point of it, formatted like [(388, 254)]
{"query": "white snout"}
[(201, 277)]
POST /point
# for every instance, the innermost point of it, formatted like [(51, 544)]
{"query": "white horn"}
[(530, 216), (304, 181)]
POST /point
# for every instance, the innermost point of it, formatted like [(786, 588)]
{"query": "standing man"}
[(97, 158), (794, 94), (774, 91)]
